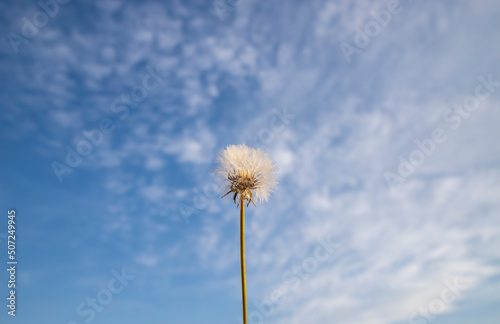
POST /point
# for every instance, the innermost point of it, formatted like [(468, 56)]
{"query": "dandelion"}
[(249, 173), (247, 170)]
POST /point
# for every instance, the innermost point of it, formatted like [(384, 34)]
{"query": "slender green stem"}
[(242, 255)]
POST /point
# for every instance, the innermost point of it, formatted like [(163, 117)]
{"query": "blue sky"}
[(382, 117)]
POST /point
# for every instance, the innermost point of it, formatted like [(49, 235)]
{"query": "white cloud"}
[(147, 260), (153, 192)]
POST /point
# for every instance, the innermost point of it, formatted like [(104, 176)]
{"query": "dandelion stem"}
[(250, 173), (242, 255)]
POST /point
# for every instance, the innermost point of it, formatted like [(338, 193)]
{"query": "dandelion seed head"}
[(249, 172)]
